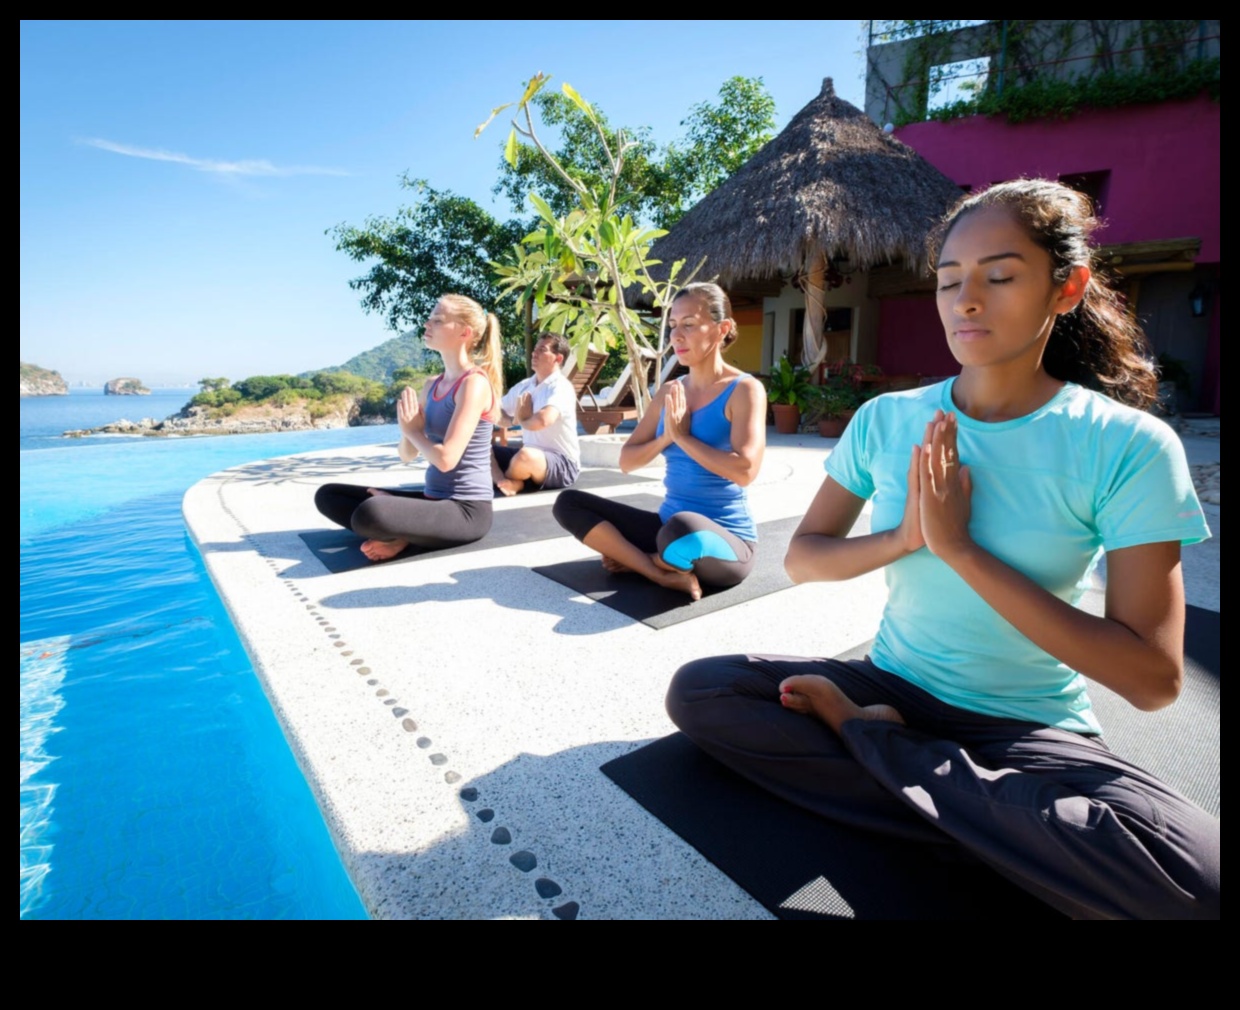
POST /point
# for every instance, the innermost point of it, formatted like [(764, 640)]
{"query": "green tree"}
[(444, 242), (577, 267), (654, 185), (211, 385), (439, 243), (583, 159), (719, 139), (259, 387)]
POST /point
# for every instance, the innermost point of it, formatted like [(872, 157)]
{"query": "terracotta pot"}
[(787, 418), (831, 427)]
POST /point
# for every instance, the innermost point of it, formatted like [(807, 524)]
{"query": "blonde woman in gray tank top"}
[(450, 424)]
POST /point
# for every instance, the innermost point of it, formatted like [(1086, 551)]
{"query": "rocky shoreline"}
[(256, 420)]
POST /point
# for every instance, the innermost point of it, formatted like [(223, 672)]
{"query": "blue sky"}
[(177, 178)]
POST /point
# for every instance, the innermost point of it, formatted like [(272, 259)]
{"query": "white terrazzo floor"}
[(400, 686)]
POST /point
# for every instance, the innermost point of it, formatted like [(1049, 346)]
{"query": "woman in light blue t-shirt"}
[(994, 494)]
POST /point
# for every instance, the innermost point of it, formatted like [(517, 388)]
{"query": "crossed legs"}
[(1055, 812), (510, 470), (391, 520), (685, 553)]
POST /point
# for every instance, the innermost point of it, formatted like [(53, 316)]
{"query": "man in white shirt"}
[(546, 408)]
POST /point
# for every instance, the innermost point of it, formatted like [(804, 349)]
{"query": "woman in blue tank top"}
[(711, 426), (450, 424)]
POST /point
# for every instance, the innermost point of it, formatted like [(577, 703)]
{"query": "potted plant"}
[(860, 377), (789, 390), (835, 402)]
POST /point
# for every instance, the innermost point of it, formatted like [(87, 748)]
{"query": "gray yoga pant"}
[(679, 541), (1055, 812), (404, 515)]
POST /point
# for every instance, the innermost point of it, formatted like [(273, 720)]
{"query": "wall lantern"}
[(1197, 300)]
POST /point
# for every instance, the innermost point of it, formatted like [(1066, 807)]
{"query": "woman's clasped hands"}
[(409, 413), (937, 510), (676, 413)]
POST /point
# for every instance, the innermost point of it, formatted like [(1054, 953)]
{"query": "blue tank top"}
[(470, 480), (692, 488)]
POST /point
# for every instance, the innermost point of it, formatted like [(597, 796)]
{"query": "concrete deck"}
[(401, 686)]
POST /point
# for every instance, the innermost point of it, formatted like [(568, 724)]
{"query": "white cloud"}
[(253, 167)]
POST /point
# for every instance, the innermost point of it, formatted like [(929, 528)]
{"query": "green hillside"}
[(378, 364)]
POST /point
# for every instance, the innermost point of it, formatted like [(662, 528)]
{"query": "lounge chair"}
[(614, 405)]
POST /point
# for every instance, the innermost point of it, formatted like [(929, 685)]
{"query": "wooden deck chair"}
[(604, 413), (585, 377)]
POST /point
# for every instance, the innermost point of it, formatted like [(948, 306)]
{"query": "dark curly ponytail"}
[(1098, 344)]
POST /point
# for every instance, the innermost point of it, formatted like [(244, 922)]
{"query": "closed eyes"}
[(993, 280)]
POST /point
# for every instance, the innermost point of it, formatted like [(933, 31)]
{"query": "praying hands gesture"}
[(409, 413), (525, 407), (676, 413), (936, 512)]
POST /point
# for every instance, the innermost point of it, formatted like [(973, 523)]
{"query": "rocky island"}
[(36, 381), (125, 387), (267, 403)]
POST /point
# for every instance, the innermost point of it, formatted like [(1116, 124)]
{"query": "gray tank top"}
[(470, 480)]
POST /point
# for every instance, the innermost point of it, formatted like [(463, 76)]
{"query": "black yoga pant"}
[(688, 540), (1055, 812), (404, 515)]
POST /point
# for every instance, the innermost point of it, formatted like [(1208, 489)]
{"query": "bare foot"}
[(814, 695), (673, 578), (383, 550), (509, 486), (614, 566)]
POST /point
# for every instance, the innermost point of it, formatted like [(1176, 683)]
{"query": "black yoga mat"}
[(642, 600), (800, 866), (340, 550), (1182, 743)]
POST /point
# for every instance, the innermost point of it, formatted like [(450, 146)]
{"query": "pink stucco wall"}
[(910, 338), (1164, 161)]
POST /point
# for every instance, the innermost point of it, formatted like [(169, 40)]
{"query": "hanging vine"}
[(1040, 69)]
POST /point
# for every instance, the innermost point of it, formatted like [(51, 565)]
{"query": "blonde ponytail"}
[(486, 349), (489, 354)]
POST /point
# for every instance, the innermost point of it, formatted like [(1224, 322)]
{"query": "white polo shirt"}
[(556, 391)]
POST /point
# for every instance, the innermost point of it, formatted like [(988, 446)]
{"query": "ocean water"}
[(154, 779)]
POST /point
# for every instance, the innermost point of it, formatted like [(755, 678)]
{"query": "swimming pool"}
[(155, 781)]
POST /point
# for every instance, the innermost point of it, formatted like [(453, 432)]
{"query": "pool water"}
[(155, 781)]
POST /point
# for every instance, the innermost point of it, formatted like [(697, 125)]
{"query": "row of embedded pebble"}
[(524, 860)]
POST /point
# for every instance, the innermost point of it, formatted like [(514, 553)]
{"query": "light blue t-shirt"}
[(1051, 491)]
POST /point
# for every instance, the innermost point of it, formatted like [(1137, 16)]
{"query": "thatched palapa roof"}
[(830, 182)]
